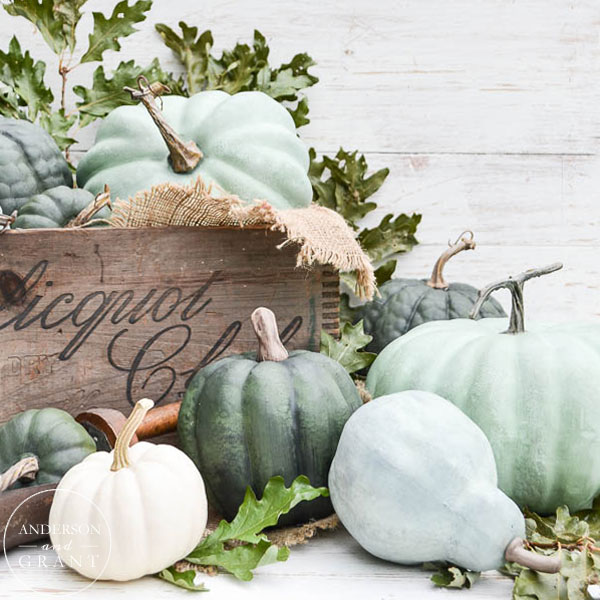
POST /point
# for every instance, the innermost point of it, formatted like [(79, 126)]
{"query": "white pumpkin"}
[(131, 512)]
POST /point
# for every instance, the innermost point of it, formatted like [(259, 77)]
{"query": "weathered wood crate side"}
[(103, 317)]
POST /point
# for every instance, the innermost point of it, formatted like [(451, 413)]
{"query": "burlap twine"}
[(322, 235)]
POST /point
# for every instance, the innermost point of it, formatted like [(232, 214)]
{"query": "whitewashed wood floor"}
[(330, 566)]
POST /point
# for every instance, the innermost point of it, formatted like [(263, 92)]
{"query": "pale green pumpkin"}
[(535, 393), (247, 146), (413, 480)]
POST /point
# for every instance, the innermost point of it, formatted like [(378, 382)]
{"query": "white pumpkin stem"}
[(515, 286), (27, 468), (185, 156), (464, 241), (121, 451), (270, 346), (515, 552)]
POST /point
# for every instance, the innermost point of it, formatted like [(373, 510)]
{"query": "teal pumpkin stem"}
[(515, 552), (270, 346), (24, 469), (184, 156), (515, 286), (465, 241), (121, 451)]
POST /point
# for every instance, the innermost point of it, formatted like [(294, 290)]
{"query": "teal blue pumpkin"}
[(406, 303), (414, 480), (50, 435), (245, 419), (533, 390), (30, 163), (245, 144), (56, 207)]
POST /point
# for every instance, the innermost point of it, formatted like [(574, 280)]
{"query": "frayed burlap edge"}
[(322, 235)]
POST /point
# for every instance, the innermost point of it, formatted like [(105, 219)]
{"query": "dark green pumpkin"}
[(49, 434), (30, 163), (56, 208), (406, 303), (244, 420)]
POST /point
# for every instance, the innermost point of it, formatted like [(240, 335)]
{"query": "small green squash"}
[(245, 419), (56, 207), (414, 480), (533, 391), (406, 303), (50, 435), (30, 163), (246, 144)]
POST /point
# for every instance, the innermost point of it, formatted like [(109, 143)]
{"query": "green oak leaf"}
[(240, 561), (300, 113), (242, 68), (107, 31), (341, 184), (58, 125), (69, 13), (241, 545), (451, 576), (183, 579), (384, 272), (23, 91), (43, 15), (347, 350), (391, 236), (107, 94)]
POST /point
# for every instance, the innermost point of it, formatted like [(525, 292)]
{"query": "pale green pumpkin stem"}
[(270, 346), (465, 241), (516, 552), (26, 468), (185, 156), (121, 451), (515, 286)]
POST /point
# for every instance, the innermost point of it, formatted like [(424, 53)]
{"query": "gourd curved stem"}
[(515, 286), (515, 552), (185, 156), (26, 468), (465, 241), (100, 201), (121, 451), (270, 346)]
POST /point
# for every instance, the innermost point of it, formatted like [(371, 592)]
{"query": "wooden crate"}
[(103, 317)]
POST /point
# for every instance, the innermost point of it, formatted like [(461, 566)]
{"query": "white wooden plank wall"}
[(485, 111)]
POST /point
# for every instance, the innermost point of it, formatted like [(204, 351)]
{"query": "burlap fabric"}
[(322, 236)]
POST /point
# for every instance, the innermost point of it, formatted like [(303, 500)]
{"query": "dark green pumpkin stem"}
[(515, 286), (515, 552), (465, 241), (270, 346), (85, 216), (185, 156), (26, 469)]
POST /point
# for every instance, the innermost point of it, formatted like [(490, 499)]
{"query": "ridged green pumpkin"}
[(246, 419), (246, 144), (56, 208), (49, 434), (30, 163), (407, 303), (533, 391), (414, 480)]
